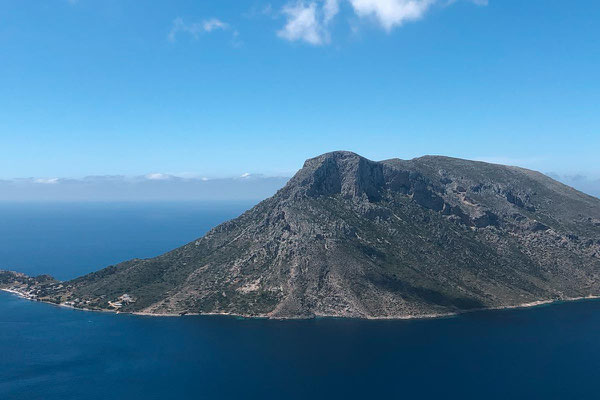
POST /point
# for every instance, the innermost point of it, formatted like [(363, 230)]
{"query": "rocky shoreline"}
[(26, 296)]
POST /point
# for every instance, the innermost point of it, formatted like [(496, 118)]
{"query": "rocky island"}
[(350, 237)]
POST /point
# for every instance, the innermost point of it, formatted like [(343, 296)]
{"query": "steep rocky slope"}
[(351, 237)]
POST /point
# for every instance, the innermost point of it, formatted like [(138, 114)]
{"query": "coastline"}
[(533, 304)]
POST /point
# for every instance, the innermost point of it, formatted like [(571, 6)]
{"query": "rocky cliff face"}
[(352, 237)]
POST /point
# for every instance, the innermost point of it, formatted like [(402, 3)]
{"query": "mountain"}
[(351, 237)]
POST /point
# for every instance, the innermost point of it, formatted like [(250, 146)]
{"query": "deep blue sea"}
[(49, 352)]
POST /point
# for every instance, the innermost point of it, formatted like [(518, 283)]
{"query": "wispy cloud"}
[(158, 176), (303, 24), (308, 21), (195, 29), (330, 9), (214, 24), (47, 181)]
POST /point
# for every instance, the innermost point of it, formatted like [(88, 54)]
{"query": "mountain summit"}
[(352, 237)]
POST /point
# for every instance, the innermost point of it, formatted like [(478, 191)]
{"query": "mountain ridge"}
[(347, 236)]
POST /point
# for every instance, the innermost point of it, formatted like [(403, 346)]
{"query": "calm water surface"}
[(48, 352), (71, 239)]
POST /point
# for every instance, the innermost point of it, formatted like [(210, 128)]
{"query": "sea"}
[(50, 352)]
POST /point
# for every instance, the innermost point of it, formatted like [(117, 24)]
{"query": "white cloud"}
[(196, 28), (309, 21), (47, 181), (302, 23), (158, 177), (245, 175), (213, 23), (330, 9), (391, 13)]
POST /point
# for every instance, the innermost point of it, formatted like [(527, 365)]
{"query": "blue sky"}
[(219, 88)]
